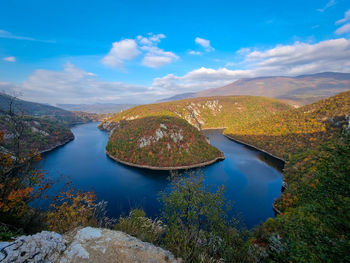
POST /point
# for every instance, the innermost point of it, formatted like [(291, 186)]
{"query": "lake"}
[(252, 179)]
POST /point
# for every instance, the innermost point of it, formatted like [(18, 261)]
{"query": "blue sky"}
[(86, 51)]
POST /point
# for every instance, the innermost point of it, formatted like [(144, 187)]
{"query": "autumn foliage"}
[(71, 208), (178, 143), (290, 131)]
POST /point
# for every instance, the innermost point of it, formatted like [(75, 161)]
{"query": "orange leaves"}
[(16, 201), (17, 195), (37, 157), (71, 208)]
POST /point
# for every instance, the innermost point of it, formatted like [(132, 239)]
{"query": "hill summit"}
[(160, 143)]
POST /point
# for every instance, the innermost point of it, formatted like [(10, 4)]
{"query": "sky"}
[(114, 51)]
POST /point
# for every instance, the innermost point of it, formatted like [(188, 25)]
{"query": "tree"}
[(20, 183), (197, 222)]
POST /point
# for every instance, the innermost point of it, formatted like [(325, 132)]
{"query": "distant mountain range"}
[(180, 97), (302, 89), (99, 108), (38, 110)]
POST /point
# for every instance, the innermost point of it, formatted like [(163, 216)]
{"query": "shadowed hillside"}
[(43, 111)]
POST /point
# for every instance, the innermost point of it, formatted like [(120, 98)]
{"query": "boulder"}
[(83, 245), (42, 247), (103, 245)]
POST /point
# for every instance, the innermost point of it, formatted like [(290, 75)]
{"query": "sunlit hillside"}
[(297, 129), (212, 112)]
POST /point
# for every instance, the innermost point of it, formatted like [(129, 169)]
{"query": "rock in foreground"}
[(84, 245)]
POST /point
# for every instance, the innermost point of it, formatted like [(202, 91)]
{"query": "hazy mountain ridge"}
[(301, 89), (179, 97), (99, 108), (39, 110)]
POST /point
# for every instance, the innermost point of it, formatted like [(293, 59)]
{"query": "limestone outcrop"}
[(83, 245)]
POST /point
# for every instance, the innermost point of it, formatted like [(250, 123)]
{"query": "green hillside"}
[(313, 220), (313, 225), (161, 141), (41, 126), (290, 131), (211, 112), (38, 134)]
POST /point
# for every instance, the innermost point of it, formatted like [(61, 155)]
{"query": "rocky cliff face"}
[(83, 245)]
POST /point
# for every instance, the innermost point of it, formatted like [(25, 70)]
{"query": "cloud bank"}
[(287, 60), (74, 85)]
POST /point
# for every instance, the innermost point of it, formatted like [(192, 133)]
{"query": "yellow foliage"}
[(70, 210)]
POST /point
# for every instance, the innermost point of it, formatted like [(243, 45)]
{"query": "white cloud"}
[(10, 59), (345, 19), (297, 59), (302, 58), (199, 79), (343, 29), (151, 39), (154, 56), (6, 34), (9, 35), (127, 49), (328, 5), (122, 50), (204, 43), (192, 52), (9, 88), (74, 85)]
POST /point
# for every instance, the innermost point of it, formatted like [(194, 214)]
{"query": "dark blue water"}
[(251, 182)]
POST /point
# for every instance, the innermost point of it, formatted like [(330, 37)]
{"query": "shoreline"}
[(254, 147), (284, 183), (166, 168), (57, 146)]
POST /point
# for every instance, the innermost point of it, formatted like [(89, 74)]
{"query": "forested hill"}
[(211, 112), (34, 126), (290, 131), (41, 110), (161, 142)]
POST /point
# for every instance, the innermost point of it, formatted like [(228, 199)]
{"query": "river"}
[(252, 179)]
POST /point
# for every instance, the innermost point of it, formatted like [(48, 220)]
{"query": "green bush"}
[(138, 225), (198, 229)]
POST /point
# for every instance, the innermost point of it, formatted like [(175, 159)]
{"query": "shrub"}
[(138, 225), (70, 209), (197, 223)]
